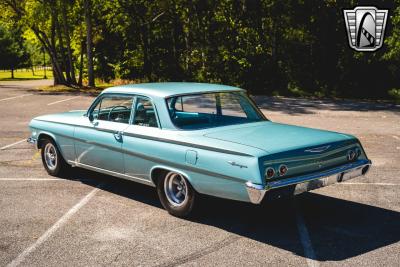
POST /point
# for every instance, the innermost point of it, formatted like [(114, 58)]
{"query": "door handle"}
[(118, 135)]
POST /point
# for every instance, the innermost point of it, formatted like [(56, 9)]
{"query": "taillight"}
[(282, 170), (269, 173)]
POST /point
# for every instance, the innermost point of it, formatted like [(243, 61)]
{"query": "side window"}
[(145, 114), (113, 108)]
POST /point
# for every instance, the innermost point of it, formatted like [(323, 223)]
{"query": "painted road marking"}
[(59, 101), (13, 144), (21, 257), (305, 240), (45, 179), (31, 179), (389, 184), (13, 97)]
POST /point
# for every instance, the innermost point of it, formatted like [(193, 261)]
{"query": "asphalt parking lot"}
[(91, 219)]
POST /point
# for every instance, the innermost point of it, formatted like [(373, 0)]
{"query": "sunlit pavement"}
[(92, 219)]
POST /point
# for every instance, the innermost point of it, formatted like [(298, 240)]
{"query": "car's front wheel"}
[(52, 159), (176, 194)]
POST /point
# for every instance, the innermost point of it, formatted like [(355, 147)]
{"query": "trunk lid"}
[(275, 137), (302, 150)]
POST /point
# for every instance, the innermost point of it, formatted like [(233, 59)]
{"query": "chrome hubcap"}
[(50, 156), (175, 188)]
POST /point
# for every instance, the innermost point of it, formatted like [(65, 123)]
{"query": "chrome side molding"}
[(112, 173)]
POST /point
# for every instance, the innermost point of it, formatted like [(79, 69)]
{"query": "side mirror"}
[(90, 116)]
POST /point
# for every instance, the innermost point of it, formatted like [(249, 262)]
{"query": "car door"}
[(99, 143), (139, 144)]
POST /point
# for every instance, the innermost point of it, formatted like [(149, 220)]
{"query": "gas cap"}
[(191, 157)]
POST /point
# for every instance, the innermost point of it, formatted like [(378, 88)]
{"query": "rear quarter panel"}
[(207, 170)]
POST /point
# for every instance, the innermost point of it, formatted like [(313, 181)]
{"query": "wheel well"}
[(43, 137), (157, 174), (160, 172)]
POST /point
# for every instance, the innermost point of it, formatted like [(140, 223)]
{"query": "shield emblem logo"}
[(365, 27)]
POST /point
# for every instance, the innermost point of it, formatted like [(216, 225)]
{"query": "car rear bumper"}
[(304, 183)]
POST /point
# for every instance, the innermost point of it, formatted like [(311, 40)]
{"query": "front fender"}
[(63, 136)]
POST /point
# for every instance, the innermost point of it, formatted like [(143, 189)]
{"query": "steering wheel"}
[(112, 109)]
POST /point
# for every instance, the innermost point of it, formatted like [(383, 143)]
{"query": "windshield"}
[(208, 110)]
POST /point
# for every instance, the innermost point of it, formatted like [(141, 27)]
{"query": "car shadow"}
[(338, 229)]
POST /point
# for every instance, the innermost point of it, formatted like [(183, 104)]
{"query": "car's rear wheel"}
[(52, 159), (176, 194)]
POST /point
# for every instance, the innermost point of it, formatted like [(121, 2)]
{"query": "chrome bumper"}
[(310, 181), (31, 140)]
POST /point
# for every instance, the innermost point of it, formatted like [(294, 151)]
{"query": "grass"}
[(25, 75), (100, 86)]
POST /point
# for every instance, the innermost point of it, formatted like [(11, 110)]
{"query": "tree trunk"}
[(146, 43), (68, 42), (81, 63), (178, 71), (61, 45), (57, 70), (12, 73), (89, 45)]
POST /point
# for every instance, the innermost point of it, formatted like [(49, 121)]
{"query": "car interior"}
[(119, 110)]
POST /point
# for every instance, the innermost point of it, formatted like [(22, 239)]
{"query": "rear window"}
[(212, 110)]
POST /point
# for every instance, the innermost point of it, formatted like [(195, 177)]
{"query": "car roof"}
[(167, 89)]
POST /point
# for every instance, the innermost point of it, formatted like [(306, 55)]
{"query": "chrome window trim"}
[(102, 96), (207, 92), (155, 112), (251, 101), (134, 96)]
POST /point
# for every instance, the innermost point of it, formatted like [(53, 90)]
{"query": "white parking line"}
[(305, 240), (389, 184), (21, 257), (13, 144), (59, 101), (13, 97), (46, 179), (31, 179)]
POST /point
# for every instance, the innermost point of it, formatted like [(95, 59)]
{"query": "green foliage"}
[(267, 46), (12, 53), (395, 94)]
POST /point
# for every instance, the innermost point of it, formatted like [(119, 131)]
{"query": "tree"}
[(42, 19), (12, 54), (89, 41), (267, 46)]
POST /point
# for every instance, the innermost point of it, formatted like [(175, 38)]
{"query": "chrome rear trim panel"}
[(310, 181), (349, 167)]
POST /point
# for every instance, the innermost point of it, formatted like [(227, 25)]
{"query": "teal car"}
[(187, 139)]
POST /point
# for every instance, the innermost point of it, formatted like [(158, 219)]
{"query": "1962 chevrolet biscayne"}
[(190, 138)]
